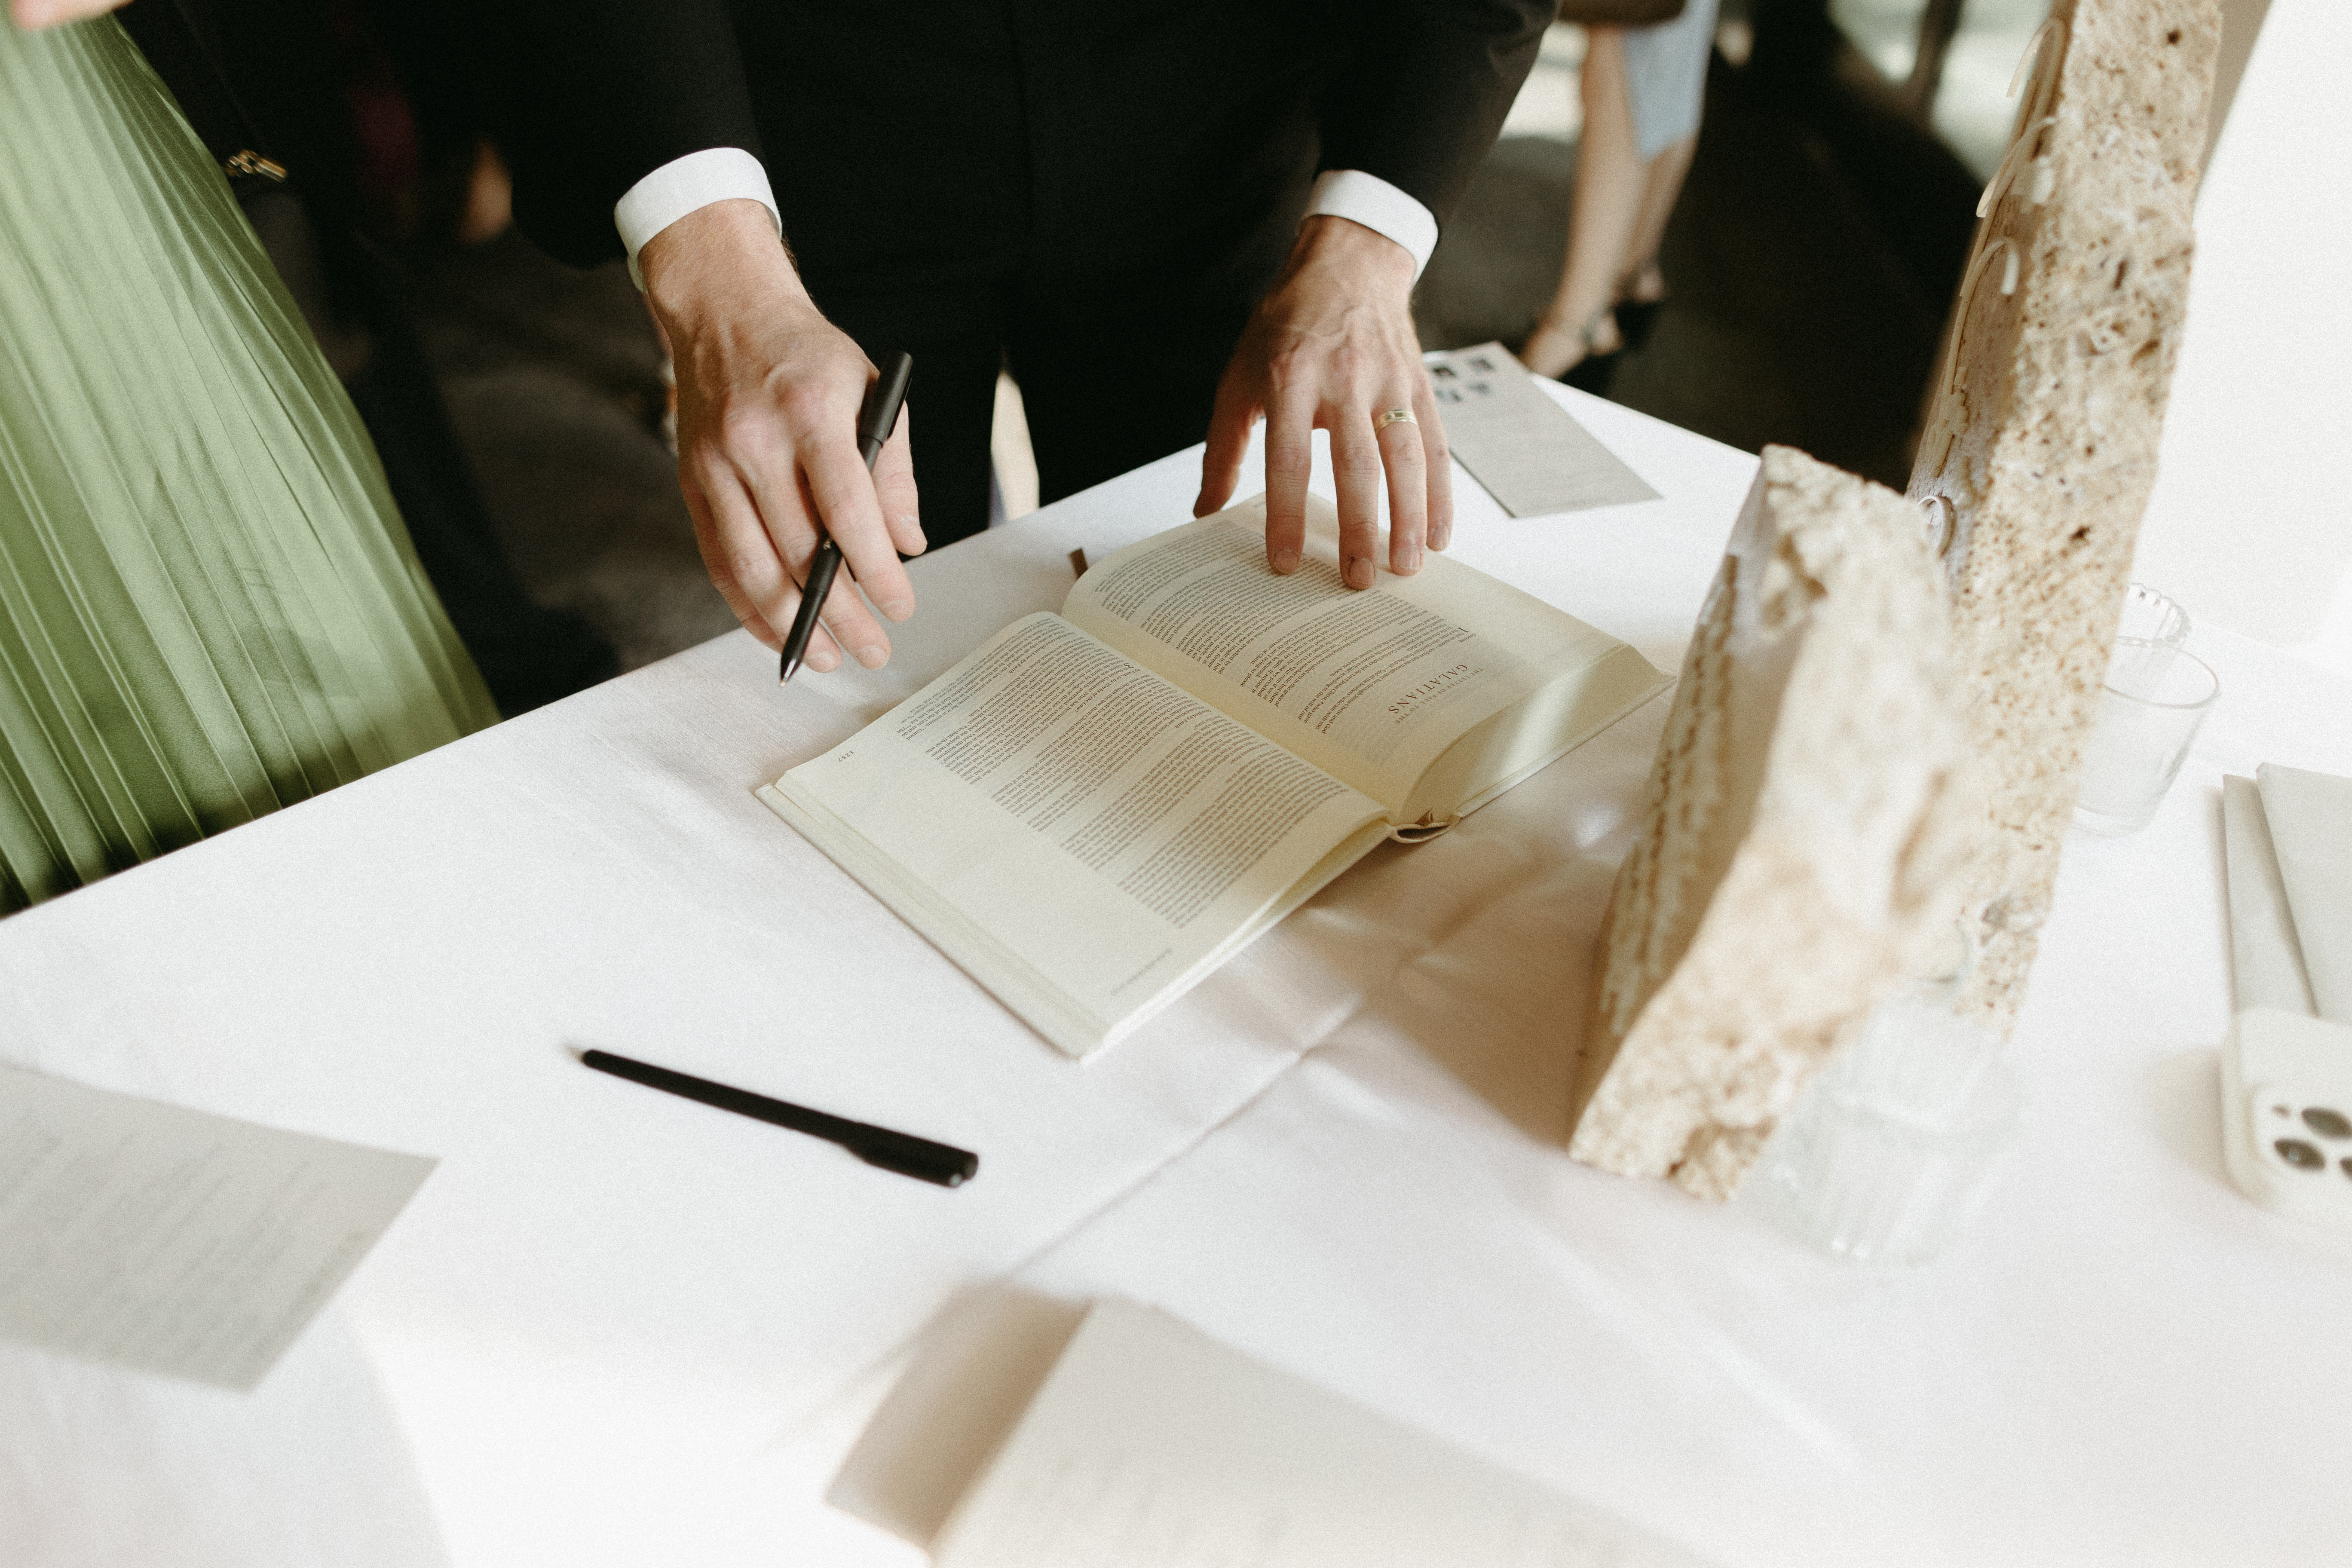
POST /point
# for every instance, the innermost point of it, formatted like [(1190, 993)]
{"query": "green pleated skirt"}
[(209, 607)]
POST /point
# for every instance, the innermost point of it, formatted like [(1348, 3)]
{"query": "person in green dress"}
[(209, 607)]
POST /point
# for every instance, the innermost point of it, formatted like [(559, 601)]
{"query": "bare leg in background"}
[(1607, 206), (1662, 186)]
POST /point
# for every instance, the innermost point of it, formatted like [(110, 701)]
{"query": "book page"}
[(1370, 685), (171, 1241), (1079, 815), (1151, 1445)]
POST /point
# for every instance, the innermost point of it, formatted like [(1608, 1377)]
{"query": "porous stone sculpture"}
[(2038, 442), (1803, 835)]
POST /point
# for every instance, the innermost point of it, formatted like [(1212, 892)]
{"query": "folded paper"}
[(2265, 957), (1529, 452), (1151, 1445), (2310, 820)]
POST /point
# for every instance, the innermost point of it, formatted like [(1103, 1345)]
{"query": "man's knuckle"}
[(1289, 366), (750, 575), (804, 404), (746, 431)]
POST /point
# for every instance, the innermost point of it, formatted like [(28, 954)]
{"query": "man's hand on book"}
[(768, 394), (1332, 347)]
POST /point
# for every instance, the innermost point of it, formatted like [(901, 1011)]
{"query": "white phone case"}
[(2287, 1114)]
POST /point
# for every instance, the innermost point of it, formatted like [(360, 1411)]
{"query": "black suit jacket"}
[(917, 152)]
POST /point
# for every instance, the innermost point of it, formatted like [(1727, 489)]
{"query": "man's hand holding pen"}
[(768, 398), (770, 391)]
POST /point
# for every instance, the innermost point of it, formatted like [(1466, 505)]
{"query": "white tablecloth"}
[(619, 1328)]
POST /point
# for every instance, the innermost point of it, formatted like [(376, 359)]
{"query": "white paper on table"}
[(2266, 962), (100, 1467), (1151, 1445), (171, 1241), (1529, 452), (2310, 817)]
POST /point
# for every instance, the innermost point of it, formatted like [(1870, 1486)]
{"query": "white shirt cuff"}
[(1380, 206), (688, 184)]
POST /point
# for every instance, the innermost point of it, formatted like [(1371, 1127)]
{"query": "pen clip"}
[(911, 1156)]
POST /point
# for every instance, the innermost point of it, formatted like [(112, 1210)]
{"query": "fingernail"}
[(873, 656), (1286, 561), (1412, 559), (897, 609), (823, 660), (1359, 572)]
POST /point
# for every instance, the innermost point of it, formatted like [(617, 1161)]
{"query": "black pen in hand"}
[(875, 420)]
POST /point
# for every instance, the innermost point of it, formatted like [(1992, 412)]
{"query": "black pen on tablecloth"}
[(875, 420), (901, 1151)]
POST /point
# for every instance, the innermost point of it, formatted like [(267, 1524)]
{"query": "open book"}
[(1097, 809)]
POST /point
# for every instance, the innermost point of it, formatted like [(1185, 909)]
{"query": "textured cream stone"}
[(2143, 65), (2040, 434), (1804, 835)]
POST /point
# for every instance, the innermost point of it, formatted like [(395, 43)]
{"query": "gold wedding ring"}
[(1394, 416)]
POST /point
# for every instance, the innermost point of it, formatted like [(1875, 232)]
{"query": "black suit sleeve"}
[(1422, 88), (589, 96)]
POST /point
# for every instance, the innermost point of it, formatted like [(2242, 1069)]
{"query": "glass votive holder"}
[(2155, 696), (1887, 1153), (2151, 617)]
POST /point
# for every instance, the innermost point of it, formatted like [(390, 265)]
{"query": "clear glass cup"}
[(2151, 617), (2156, 697), (1887, 1153)]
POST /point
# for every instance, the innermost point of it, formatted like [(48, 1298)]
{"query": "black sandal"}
[(1637, 319), (1598, 368), (1594, 372)]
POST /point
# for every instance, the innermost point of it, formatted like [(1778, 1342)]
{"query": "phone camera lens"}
[(2327, 1123), (2300, 1154)]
